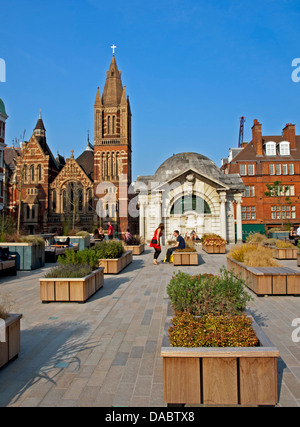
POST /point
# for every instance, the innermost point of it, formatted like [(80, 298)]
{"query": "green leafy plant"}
[(108, 249), (85, 257), (212, 331), (203, 294)]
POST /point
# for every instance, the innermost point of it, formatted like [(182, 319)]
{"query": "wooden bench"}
[(267, 280), (9, 266), (52, 252)]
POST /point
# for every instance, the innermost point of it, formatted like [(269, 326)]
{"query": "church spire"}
[(113, 88), (39, 128), (98, 101)]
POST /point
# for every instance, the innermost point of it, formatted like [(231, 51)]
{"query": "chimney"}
[(289, 134), (257, 138)]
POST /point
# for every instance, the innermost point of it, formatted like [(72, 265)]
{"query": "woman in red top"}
[(155, 242)]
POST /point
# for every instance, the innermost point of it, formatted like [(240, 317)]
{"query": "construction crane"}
[(241, 135)]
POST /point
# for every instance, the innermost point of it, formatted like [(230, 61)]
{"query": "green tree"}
[(279, 191)]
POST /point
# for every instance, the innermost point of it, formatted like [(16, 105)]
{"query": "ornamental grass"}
[(253, 256)]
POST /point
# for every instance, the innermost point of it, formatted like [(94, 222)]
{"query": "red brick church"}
[(83, 192)]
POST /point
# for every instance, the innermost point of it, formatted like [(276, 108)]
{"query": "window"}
[(80, 199), (291, 169), (90, 197), (113, 124), (271, 148), (54, 201), (284, 169), (250, 169), (108, 125), (32, 172), (272, 169), (243, 170), (284, 148), (39, 172), (64, 197), (283, 212), (249, 191), (25, 173), (190, 203), (278, 169), (248, 212)]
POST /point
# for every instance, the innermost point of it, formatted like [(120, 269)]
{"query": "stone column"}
[(142, 221), (239, 226), (223, 227)]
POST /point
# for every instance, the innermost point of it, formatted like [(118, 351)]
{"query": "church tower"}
[(112, 149)]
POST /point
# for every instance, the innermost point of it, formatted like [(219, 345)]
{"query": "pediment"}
[(190, 175), (72, 171)]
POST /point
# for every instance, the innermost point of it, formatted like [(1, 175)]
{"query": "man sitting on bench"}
[(179, 245)]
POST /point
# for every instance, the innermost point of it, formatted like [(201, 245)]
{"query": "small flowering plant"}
[(213, 240)]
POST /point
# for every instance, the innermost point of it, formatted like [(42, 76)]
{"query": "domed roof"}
[(2, 107), (179, 163)]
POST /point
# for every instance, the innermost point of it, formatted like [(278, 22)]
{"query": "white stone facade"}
[(209, 201)]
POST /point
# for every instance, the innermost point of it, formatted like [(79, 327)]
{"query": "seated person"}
[(101, 234), (96, 234), (293, 235), (179, 245), (128, 237)]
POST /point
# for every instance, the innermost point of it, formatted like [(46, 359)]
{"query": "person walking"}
[(180, 244), (110, 231), (155, 242)]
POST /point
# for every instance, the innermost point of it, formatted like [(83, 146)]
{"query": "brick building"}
[(53, 192), (264, 160)]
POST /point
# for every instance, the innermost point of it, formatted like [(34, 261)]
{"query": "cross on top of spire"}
[(114, 48)]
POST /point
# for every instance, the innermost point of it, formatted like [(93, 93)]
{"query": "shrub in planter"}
[(35, 240), (212, 331), (255, 238), (203, 294), (186, 250), (85, 257), (282, 244), (108, 250)]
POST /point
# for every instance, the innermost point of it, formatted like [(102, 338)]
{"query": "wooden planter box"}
[(71, 290), (136, 249), (185, 258), (220, 376), (11, 347), (114, 266), (284, 253), (267, 280), (28, 256), (214, 249)]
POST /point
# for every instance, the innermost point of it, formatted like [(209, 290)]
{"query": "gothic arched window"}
[(90, 200), (108, 125), (32, 173), (64, 200), (39, 172), (54, 201)]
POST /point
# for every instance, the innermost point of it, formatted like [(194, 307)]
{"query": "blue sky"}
[(191, 69)]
